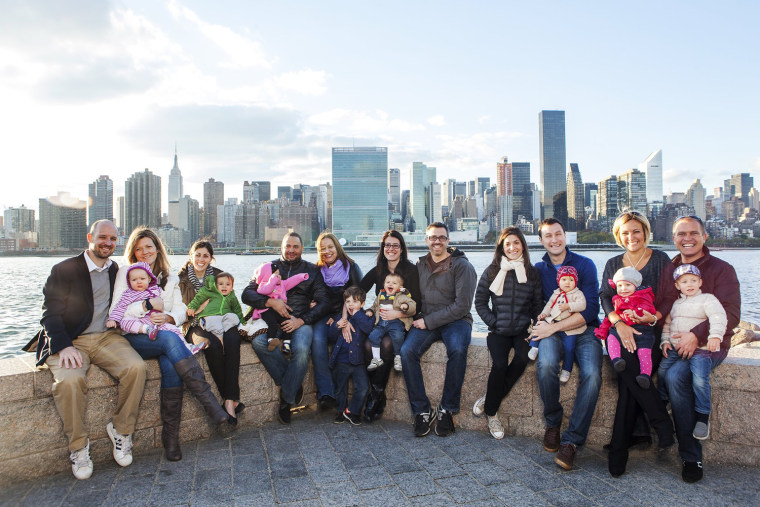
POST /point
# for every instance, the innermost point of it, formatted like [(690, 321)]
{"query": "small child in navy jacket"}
[(347, 358)]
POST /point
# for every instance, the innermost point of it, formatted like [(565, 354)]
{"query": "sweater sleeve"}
[(666, 332), (174, 307), (201, 296), (368, 280), (726, 290), (405, 299), (590, 287), (605, 290), (577, 303), (716, 316), (235, 306), (537, 300)]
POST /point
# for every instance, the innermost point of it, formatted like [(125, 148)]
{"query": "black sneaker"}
[(643, 380), (423, 422), (339, 419), (692, 471), (445, 425), (354, 419), (618, 364), (283, 413), (327, 402)]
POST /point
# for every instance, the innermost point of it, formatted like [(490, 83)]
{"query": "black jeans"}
[(223, 363), (504, 374)]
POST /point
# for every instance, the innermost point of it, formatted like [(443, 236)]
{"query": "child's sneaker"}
[(354, 419), (533, 353), (701, 430), (564, 376), (374, 364), (618, 364), (273, 343), (397, 363), (202, 323), (195, 349), (643, 380), (152, 332), (286, 347)]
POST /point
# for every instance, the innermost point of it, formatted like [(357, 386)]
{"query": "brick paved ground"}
[(316, 462)]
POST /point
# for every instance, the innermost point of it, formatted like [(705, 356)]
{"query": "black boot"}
[(191, 374), (171, 415), (375, 403)]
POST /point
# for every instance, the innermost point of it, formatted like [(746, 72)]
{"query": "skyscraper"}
[(607, 202), (360, 191), (589, 197), (695, 198), (19, 219), (738, 186), (576, 212), (421, 177), (285, 191), (394, 189), (142, 201), (434, 202), (63, 222), (213, 196), (632, 191), (652, 167), (189, 216), (483, 184), (175, 191), (551, 141), (100, 205), (503, 177), (265, 190)]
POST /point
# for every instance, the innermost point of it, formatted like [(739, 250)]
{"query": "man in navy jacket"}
[(588, 349)]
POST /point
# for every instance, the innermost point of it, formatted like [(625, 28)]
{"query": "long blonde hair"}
[(161, 266), (347, 261)]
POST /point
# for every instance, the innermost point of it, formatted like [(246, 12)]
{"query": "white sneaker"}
[(495, 427), (81, 464), (122, 446), (479, 407), (533, 353), (397, 363), (564, 376), (374, 364)]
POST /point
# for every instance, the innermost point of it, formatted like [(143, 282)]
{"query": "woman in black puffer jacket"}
[(513, 287)]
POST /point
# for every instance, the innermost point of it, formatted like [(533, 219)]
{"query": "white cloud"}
[(305, 82), (437, 121), (371, 123), (482, 119), (240, 52)]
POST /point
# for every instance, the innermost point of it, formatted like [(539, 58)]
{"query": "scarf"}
[(336, 275), (198, 284), (497, 286)]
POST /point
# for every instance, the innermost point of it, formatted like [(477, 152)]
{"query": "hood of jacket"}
[(145, 267), (445, 265)]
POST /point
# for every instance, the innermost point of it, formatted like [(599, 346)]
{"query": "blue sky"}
[(262, 90)]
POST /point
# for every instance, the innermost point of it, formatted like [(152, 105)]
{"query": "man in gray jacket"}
[(447, 284)]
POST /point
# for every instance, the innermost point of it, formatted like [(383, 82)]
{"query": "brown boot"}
[(171, 415), (191, 374), (551, 439)]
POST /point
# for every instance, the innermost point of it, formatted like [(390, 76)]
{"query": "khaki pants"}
[(113, 353)]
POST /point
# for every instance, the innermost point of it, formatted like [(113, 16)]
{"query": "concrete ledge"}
[(32, 443)]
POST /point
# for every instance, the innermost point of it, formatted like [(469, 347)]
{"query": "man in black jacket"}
[(289, 374), (77, 297)]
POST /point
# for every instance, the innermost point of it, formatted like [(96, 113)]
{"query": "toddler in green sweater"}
[(223, 310)]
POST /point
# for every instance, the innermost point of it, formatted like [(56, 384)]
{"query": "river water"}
[(23, 278)]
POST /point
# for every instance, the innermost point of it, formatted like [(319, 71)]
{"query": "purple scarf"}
[(336, 275)]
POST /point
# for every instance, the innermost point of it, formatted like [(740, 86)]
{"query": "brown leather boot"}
[(171, 415), (191, 374)]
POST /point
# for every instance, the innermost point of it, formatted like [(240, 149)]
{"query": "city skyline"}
[(103, 88)]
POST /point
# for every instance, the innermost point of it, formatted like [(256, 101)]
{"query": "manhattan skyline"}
[(102, 88)]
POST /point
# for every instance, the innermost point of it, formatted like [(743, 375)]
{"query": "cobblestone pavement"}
[(316, 462)]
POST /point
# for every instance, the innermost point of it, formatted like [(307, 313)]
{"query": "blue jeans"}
[(168, 348), (568, 346), (700, 365), (588, 353), (357, 372), (320, 356), (288, 374), (456, 336), (393, 328), (677, 381)]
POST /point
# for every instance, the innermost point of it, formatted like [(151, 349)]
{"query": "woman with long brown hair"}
[(177, 364), (391, 258), (509, 297), (222, 356)]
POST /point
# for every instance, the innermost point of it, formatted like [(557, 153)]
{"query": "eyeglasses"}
[(392, 246), (630, 213), (442, 239)]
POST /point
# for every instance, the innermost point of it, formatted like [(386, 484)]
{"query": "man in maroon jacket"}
[(718, 279)]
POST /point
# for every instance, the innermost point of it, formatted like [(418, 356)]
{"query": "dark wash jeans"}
[(456, 337)]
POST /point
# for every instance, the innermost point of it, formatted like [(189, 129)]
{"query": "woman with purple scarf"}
[(339, 272)]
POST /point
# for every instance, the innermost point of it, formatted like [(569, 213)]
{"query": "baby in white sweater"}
[(692, 308)]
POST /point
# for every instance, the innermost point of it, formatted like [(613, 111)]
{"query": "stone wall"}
[(32, 442)]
